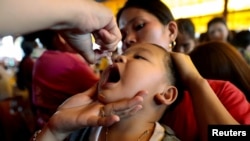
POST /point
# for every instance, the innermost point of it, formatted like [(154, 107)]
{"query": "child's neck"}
[(133, 130)]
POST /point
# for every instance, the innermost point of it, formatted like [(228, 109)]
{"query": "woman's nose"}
[(129, 40), (120, 59)]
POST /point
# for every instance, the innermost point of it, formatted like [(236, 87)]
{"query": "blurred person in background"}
[(185, 41), (241, 40), (6, 86), (221, 60), (203, 37), (59, 73), (25, 66), (217, 29)]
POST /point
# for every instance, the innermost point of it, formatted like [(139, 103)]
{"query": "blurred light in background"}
[(201, 11), (193, 8), (10, 48), (238, 5)]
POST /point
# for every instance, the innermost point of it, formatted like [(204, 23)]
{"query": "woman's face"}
[(141, 67), (139, 26), (218, 31)]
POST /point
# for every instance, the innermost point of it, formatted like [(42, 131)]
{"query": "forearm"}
[(29, 15), (207, 107)]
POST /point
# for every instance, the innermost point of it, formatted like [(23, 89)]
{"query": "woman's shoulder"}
[(225, 89), (220, 85), (233, 99)]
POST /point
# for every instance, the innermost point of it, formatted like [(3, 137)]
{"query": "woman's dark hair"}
[(185, 25), (216, 20), (242, 39), (155, 7), (221, 60)]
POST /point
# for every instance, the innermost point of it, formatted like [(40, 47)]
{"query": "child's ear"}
[(168, 96)]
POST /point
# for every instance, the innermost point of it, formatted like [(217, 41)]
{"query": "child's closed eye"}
[(136, 56)]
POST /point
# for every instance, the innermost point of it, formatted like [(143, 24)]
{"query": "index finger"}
[(124, 105)]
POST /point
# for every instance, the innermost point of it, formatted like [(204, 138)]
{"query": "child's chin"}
[(103, 99)]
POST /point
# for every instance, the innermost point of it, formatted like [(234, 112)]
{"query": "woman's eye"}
[(123, 35), (139, 26)]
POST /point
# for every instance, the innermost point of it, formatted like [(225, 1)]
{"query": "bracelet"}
[(35, 135)]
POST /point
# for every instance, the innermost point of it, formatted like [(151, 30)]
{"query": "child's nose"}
[(120, 59)]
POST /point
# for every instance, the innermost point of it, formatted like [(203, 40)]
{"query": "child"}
[(143, 66)]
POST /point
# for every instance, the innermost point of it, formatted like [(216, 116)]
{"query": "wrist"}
[(46, 134)]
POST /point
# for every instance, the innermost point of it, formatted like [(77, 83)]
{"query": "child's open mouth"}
[(114, 74), (110, 75)]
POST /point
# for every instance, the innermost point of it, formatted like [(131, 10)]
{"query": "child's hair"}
[(173, 76), (155, 7)]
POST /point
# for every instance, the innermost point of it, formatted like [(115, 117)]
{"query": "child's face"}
[(141, 67)]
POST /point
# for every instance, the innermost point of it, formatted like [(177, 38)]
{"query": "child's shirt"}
[(161, 133)]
